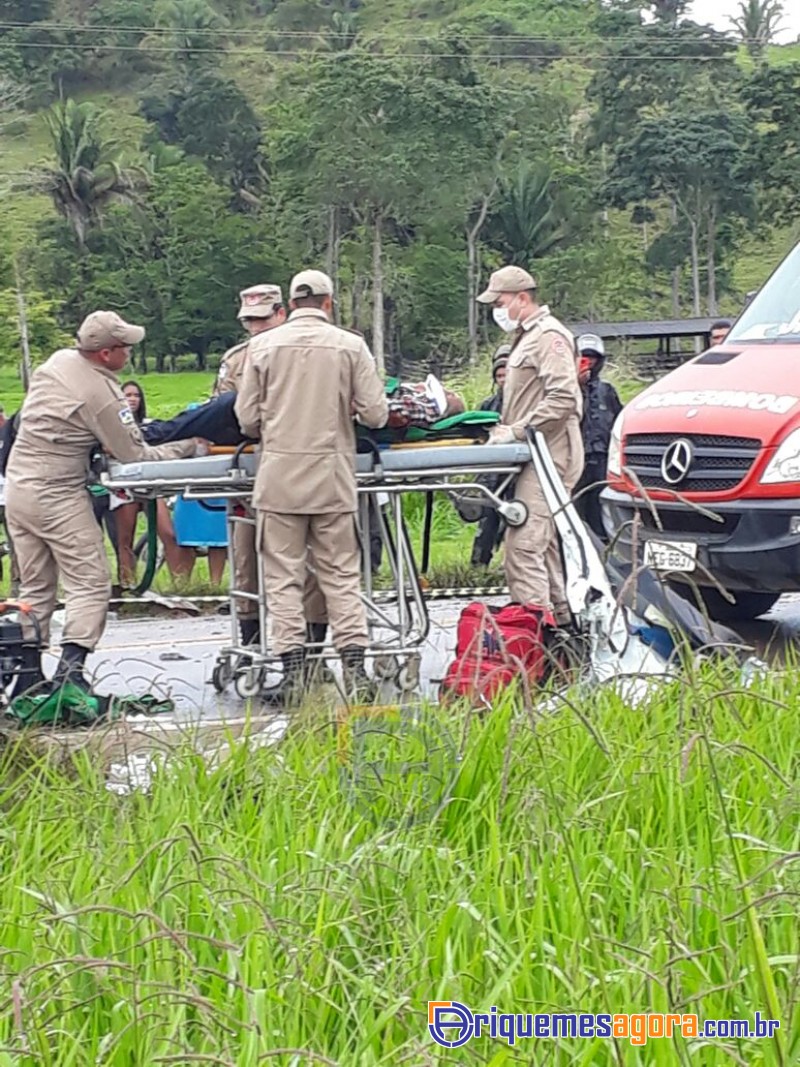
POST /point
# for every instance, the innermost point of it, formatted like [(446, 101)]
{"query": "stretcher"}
[(398, 617)]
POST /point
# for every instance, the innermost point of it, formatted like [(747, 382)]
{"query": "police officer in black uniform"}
[(601, 405)]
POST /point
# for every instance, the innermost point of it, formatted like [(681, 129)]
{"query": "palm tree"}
[(757, 23), (87, 176), (191, 24), (528, 222)]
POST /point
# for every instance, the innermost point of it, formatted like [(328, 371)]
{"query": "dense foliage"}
[(156, 157)]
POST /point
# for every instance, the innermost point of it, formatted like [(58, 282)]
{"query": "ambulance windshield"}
[(774, 314)]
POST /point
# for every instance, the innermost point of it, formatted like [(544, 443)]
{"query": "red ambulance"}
[(723, 432)]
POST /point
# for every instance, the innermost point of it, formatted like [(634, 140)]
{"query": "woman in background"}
[(180, 561)]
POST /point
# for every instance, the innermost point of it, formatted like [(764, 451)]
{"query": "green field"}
[(282, 909), (167, 394)]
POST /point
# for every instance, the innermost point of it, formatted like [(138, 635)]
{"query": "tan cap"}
[(105, 329), (310, 283), (507, 280), (260, 301)]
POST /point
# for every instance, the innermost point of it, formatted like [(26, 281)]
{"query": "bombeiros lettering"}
[(725, 398)]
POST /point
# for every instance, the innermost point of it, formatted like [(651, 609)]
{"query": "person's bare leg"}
[(126, 516), (217, 558), (180, 560)]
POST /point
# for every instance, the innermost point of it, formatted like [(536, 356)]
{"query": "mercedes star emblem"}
[(677, 461)]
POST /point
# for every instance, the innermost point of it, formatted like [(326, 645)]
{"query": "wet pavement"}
[(175, 657)]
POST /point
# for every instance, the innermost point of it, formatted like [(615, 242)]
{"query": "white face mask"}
[(504, 320)]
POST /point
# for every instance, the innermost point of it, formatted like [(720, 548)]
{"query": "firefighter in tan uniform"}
[(74, 403), (541, 392), (302, 385), (261, 309)]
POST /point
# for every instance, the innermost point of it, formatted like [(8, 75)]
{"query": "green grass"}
[(167, 394), (603, 861)]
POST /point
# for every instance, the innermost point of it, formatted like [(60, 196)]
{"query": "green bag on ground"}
[(72, 706)]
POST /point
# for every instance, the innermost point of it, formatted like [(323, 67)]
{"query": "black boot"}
[(358, 685), (292, 686), (30, 675), (318, 671), (70, 668), (250, 630)]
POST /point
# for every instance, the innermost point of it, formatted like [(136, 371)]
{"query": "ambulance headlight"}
[(785, 464), (615, 448)]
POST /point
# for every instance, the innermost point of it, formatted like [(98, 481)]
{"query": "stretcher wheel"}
[(222, 675), (407, 678), (515, 513), (249, 683), (384, 667)]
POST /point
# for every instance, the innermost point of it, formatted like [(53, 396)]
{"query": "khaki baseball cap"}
[(507, 280), (105, 329), (310, 283), (260, 301)]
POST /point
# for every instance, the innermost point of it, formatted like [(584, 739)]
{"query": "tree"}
[(654, 70), (757, 23), (210, 118), (384, 145), (44, 333), (772, 98), (12, 98), (528, 221), (87, 175), (669, 11), (164, 264), (699, 162), (190, 24)]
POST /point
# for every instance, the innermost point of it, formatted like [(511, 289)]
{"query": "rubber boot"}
[(358, 685), (250, 633), (291, 688), (319, 673), (250, 630), (30, 675), (70, 668)]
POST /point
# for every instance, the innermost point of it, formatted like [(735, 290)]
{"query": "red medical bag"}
[(495, 646)]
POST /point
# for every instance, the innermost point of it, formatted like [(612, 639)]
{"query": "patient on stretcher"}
[(420, 405)]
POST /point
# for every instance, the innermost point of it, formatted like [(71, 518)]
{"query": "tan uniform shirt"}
[(231, 369), (299, 385), (73, 405), (541, 389)]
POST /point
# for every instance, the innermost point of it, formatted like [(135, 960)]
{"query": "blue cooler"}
[(200, 523)]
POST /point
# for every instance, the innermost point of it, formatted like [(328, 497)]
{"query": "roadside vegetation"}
[(279, 908)]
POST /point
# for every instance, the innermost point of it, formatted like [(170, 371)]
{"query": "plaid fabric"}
[(416, 409)]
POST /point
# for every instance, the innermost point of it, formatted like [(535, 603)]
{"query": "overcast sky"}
[(718, 12)]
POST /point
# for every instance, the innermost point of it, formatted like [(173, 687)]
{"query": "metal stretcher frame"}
[(399, 623)]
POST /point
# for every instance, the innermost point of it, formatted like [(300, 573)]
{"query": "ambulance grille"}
[(718, 463)]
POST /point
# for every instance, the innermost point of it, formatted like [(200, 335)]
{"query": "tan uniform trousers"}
[(286, 542), (533, 566), (57, 536), (245, 567), (245, 563)]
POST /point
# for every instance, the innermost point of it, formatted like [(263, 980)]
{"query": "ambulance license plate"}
[(675, 556)]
